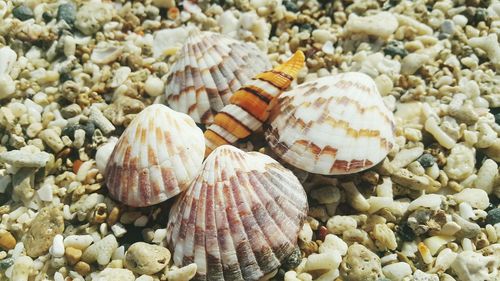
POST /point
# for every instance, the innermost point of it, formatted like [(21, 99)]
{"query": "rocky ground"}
[(74, 74)]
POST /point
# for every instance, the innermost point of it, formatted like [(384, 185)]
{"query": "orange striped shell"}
[(209, 69), (240, 217), (333, 125), (156, 157), (249, 106)]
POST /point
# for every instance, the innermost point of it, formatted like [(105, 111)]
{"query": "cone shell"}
[(156, 157), (240, 217), (209, 69), (333, 125)]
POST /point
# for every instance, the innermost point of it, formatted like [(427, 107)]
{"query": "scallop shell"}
[(156, 157), (209, 69), (239, 218), (333, 125)]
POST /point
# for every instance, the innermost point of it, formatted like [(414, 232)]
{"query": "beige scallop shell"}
[(156, 157), (333, 125), (209, 69), (240, 217)]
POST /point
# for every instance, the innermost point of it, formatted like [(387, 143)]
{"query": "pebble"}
[(115, 274), (477, 198), (48, 223), (57, 248), (52, 139), (470, 265), (460, 163), (426, 160), (144, 278), (67, 12), (22, 269), (7, 240), (486, 176), (184, 273), (80, 242), (430, 201), (7, 86), (82, 268), (92, 16), (100, 120), (397, 271), (154, 86), (22, 12), (22, 158), (412, 62), (448, 27), (100, 251), (144, 258), (360, 264), (490, 45), (72, 255), (380, 25)]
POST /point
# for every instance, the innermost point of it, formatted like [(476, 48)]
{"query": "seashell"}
[(209, 69), (168, 41), (104, 54), (249, 106), (239, 218), (333, 125), (156, 157)]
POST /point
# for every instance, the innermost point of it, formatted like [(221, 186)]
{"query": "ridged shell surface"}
[(156, 157), (239, 219), (209, 69), (333, 125)]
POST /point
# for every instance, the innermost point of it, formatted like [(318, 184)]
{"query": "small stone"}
[(144, 258), (22, 158), (22, 268), (57, 248), (66, 12), (6, 263), (448, 27), (426, 160), (7, 240), (476, 197), (115, 274), (383, 24), (73, 255), (82, 268), (493, 216), (293, 260), (46, 225), (291, 5), (397, 271), (22, 12), (52, 139), (154, 86), (101, 251), (395, 48), (360, 264)]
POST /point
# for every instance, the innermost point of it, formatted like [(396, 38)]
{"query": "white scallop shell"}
[(156, 157), (239, 218), (209, 69), (333, 125)]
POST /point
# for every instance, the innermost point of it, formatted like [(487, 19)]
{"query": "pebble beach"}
[(75, 74)]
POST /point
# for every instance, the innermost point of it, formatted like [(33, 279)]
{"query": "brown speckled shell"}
[(240, 217), (156, 157), (333, 125)]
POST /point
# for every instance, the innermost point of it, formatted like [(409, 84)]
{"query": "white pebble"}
[(7, 86), (57, 248), (477, 198), (100, 120), (118, 229), (154, 86), (486, 176), (381, 25), (182, 274), (80, 242), (45, 192), (431, 201), (333, 243), (397, 271), (22, 268)]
